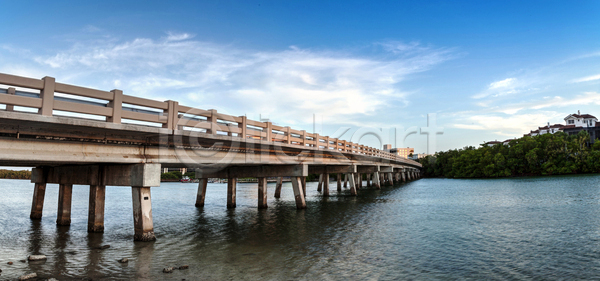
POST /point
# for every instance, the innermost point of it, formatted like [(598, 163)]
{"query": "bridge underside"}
[(68, 151)]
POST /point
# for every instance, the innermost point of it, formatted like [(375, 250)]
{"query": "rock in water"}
[(184, 267), (28, 276), (9, 263), (36, 257), (52, 279), (168, 270), (124, 260)]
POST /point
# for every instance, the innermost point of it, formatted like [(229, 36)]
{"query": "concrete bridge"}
[(76, 135)]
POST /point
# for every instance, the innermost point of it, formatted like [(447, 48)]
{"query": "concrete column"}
[(10, 91), (278, 187), (142, 214), (391, 178), (320, 187), (298, 192), (356, 181), (376, 182), (303, 180), (403, 176), (201, 192), (346, 180), (231, 185), (408, 176), (262, 193), (326, 185), (368, 180), (351, 178), (339, 182), (381, 179), (37, 205), (96, 209), (65, 192)]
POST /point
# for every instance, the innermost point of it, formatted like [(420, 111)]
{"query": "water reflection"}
[(531, 228)]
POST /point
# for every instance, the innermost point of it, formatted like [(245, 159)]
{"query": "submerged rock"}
[(184, 267), (36, 257), (168, 270), (124, 260), (28, 276), (9, 263)]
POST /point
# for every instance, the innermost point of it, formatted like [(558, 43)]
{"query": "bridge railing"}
[(50, 97)]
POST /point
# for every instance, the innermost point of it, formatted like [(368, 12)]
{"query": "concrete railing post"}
[(117, 105), (47, 96), (213, 122), (269, 131), (288, 134), (243, 127), (10, 91), (303, 138)]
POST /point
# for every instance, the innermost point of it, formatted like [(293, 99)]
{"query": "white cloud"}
[(586, 79), (502, 84), (587, 98), (513, 125), (288, 85)]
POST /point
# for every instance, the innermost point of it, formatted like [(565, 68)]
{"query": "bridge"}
[(83, 136)]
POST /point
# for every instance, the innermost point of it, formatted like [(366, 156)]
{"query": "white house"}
[(581, 120)]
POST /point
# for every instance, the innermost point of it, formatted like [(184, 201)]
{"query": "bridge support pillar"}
[(351, 179), (142, 214), (381, 179), (391, 178), (320, 187), (368, 180), (325, 185), (96, 208), (299, 192), (65, 192), (346, 180), (231, 186), (278, 187), (303, 180), (37, 204), (339, 182), (262, 193), (376, 183), (201, 192), (403, 177), (357, 181)]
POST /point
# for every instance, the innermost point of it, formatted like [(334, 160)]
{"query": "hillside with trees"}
[(547, 154), (10, 174)]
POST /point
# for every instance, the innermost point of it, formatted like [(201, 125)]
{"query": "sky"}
[(485, 70)]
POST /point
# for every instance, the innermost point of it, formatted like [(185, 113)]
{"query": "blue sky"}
[(488, 69)]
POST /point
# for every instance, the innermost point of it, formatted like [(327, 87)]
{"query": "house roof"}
[(584, 116)]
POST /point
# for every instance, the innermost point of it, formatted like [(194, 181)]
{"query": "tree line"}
[(547, 154), (10, 174)]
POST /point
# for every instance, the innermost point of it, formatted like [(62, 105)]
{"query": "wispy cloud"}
[(289, 84), (503, 87), (513, 125), (586, 79)]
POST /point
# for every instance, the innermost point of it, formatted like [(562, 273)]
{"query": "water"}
[(431, 229)]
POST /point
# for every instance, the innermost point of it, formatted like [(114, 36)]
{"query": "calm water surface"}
[(431, 229)]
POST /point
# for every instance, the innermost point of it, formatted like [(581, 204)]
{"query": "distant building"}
[(402, 152), (419, 156), (574, 123)]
